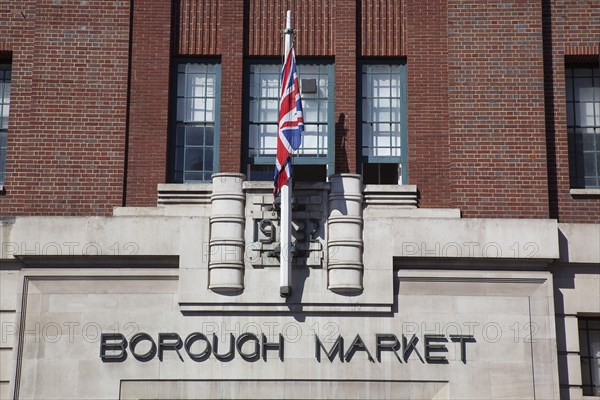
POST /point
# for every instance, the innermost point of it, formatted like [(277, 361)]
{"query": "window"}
[(196, 122), (5, 84), (383, 122), (589, 348), (316, 87), (583, 125)]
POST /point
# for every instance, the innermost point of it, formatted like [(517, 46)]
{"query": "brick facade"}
[(68, 106), (151, 42), (485, 81)]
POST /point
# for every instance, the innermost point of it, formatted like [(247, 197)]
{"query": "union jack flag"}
[(291, 123)]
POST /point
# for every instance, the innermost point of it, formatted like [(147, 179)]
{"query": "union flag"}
[(291, 123)]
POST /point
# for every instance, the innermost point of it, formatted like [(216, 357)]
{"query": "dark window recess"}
[(583, 125), (300, 173), (589, 351), (380, 174)]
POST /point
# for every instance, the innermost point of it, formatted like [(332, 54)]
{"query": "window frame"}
[(402, 159), (576, 155), (329, 159), (583, 326), (4, 66), (172, 168)]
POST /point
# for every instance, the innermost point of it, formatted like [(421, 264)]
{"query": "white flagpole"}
[(285, 257)]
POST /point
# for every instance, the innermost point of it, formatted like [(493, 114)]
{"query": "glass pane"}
[(367, 110), (253, 140), (381, 86), (208, 159), (210, 108), (585, 372), (323, 87), (310, 141), (196, 85), (584, 114), (308, 69), (583, 89), (268, 139), (396, 111), (253, 111), (323, 111), (254, 89), (569, 87), (594, 339), (180, 135), (270, 69), (179, 157), (381, 110), (196, 68), (367, 135), (194, 158), (193, 176), (380, 69), (194, 135), (366, 86), (197, 107), (593, 323), (209, 135), (583, 343), (570, 115), (181, 115), (568, 71), (310, 110), (268, 111), (5, 110), (180, 84), (323, 139), (210, 86), (582, 72)]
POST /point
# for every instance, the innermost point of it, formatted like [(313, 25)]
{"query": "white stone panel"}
[(8, 289)]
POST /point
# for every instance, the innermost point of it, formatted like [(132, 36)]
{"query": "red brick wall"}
[(313, 20), (68, 106), (232, 81), (198, 27), (149, 101), (345, 85), (571, 27), (496, 108), (427, 86)]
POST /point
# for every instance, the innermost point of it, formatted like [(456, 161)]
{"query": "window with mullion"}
[(589, 351), (196, 126), (583, 125), (264, 81), (5, 86), (383, 114)]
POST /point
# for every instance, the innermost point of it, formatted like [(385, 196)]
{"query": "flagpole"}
[(285, 257)]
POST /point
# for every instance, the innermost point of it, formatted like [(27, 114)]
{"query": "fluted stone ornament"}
[(345, 226), (226, 258)]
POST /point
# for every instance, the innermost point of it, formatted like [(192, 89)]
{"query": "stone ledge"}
[(584, 192)]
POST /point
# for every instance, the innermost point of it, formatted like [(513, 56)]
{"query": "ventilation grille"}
[(184, 194), (403, 196)]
